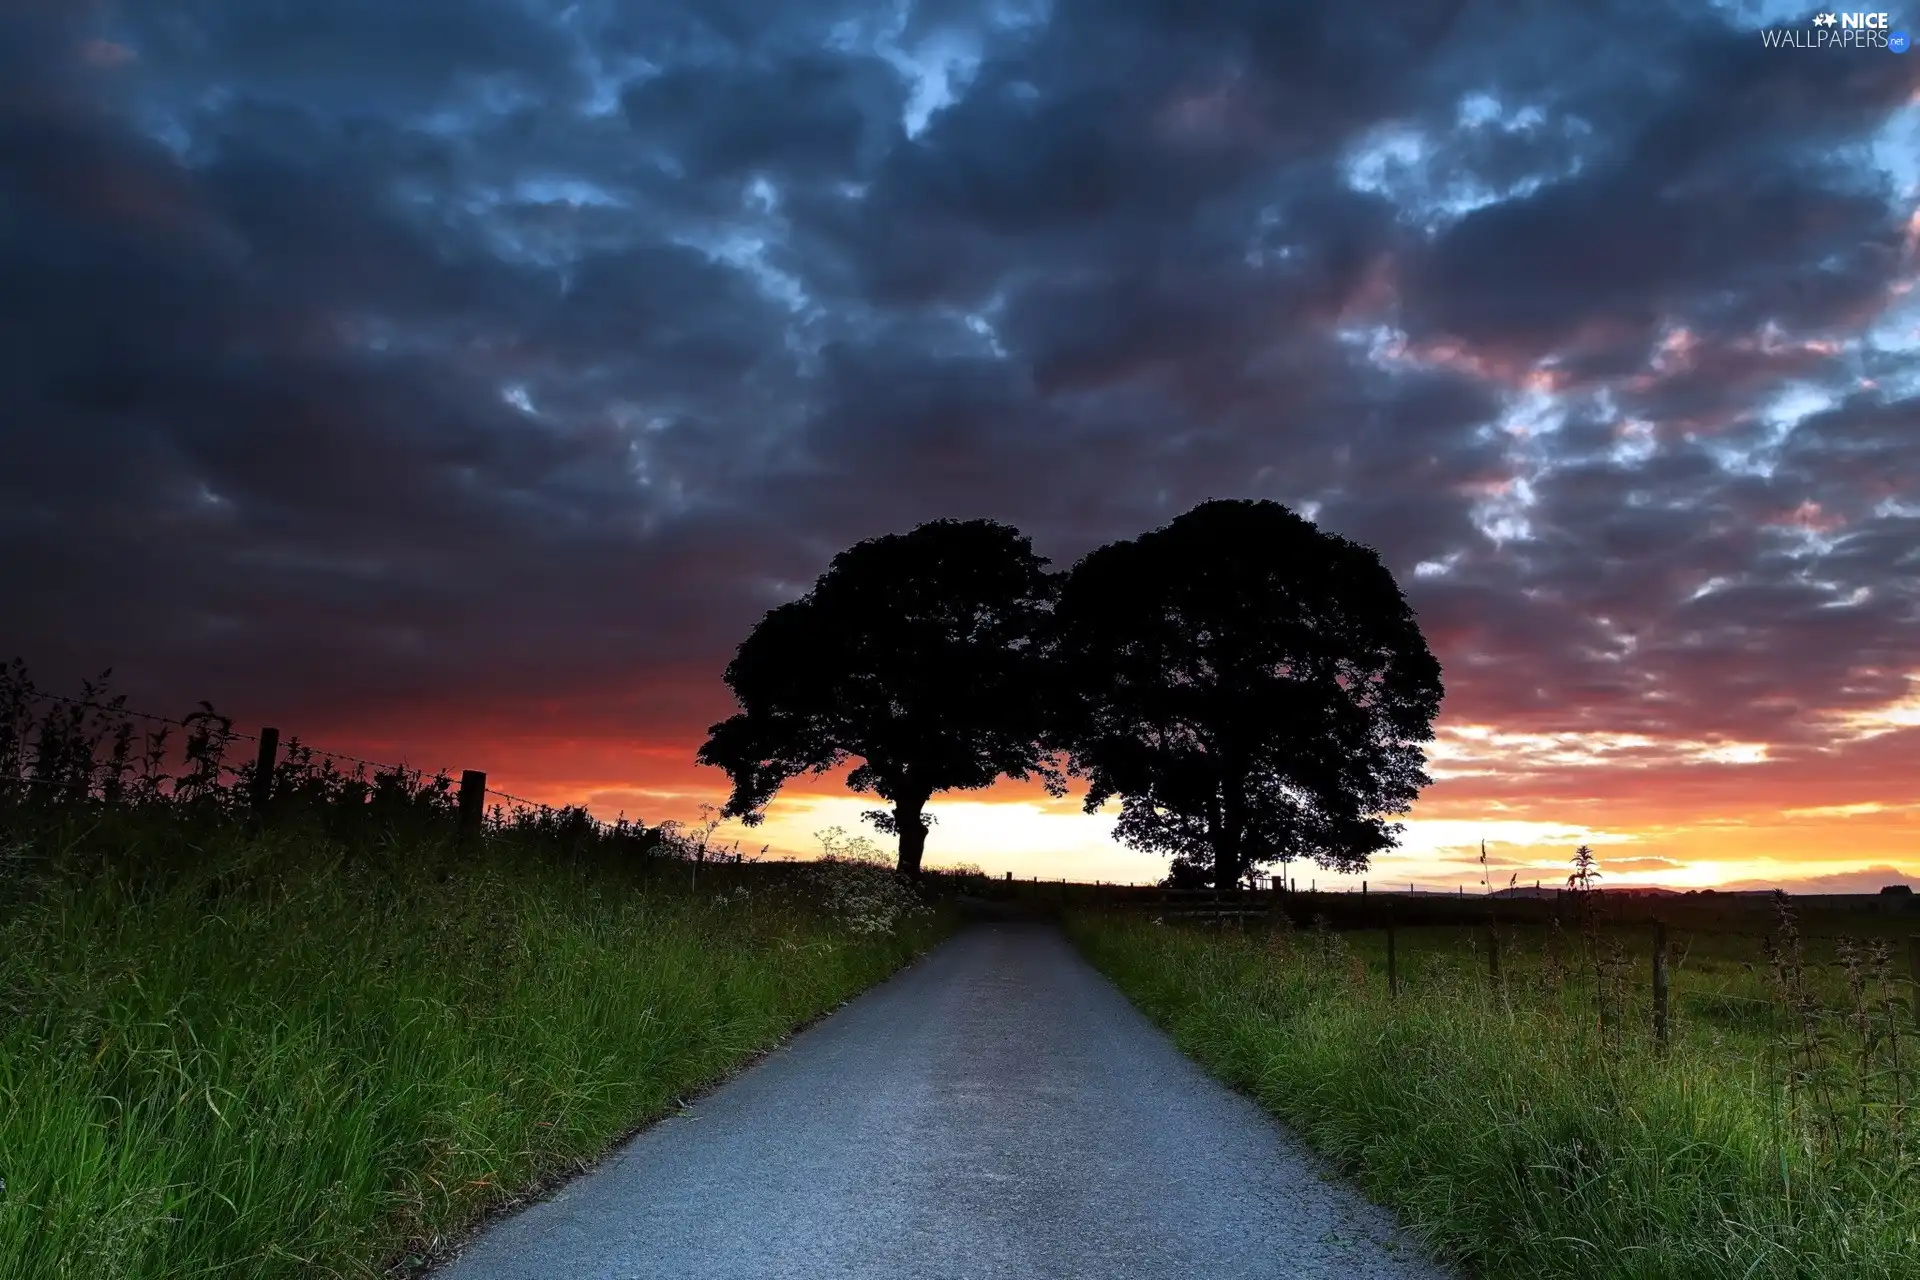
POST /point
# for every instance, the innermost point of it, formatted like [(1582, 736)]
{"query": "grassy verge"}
[(289, 1057), (1521, 1138)]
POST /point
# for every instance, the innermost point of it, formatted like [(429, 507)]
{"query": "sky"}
[(458, 381)]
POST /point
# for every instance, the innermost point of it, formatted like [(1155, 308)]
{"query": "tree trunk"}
[(909, 816), (1226, 867), (1229, 833)]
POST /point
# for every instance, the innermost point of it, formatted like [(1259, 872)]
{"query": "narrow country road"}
[(997, 1110)]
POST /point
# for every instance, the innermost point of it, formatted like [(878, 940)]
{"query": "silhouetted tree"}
[(915, 654), (1248, 685)]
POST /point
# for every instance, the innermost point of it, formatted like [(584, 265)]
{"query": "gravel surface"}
[(996, 1110)]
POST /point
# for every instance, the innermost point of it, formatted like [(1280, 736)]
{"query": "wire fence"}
[(1752, 920), (115, 707), (1425, 889)]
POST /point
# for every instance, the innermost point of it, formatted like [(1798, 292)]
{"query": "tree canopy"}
[(914, 654), (1249, 686)]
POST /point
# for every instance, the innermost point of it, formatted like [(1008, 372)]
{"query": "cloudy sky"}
[(458, 380)]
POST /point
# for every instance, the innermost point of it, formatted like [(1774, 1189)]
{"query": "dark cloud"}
[(811, 117), (354, 56), (1736, 196), (360, 357)]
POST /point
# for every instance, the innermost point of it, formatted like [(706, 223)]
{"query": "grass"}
[(1522, 1133), (285, 1053)]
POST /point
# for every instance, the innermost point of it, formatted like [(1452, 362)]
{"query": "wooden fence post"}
[(1660, 982), (263, 766), (1393, 971), (1913, 969), (473, 803)]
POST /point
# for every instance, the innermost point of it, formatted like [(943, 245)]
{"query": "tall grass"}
[(293, 1062), (327, 1044), (1531, 1126)]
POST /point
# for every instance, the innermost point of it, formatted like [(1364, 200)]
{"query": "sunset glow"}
[(1675, 813)]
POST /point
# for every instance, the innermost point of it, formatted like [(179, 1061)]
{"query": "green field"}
[(1531, 1124), (291, 1053)]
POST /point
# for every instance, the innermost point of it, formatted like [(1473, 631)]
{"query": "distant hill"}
[(1893, 893)]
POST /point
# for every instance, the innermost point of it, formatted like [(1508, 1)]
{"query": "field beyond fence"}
[(1542, 1090)]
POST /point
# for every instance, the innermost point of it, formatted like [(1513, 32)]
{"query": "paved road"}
[(997, 1110)]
